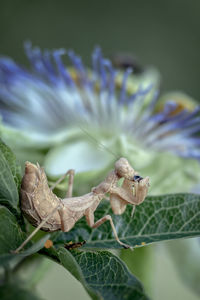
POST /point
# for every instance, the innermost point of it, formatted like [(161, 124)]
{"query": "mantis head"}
[(124, 169)]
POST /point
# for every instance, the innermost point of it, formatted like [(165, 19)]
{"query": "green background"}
[(165, 34)]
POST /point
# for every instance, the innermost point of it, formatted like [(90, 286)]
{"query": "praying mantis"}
[(48, 212)]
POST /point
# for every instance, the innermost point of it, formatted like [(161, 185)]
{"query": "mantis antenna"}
[(97, 142)]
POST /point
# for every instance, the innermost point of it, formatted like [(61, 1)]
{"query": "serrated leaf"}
[(9, 177), (159, 218), (103, 275)]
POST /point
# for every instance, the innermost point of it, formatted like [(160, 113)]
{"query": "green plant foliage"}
[(13, 291), (11, 235), (9, 178), (12, 259), (11, 159), (159, 218), (103, 275)]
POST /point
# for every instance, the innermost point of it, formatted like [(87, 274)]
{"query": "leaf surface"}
[(11, 291), (158, 218), (11, 159), (103, 275), (9, 178), (11, 236)]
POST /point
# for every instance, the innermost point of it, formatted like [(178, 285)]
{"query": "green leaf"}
[(11, 237), (159, 218), (9, 178), (11, 159), (103, 275), (12, 291)]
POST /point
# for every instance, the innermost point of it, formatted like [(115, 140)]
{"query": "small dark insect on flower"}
[(108, 101), (126, 60)]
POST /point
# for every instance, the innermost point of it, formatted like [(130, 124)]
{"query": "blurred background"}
[(165, 34)]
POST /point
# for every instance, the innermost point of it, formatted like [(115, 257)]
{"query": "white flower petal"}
[(80, 156)]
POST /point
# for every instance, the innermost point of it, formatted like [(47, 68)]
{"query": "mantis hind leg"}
[(36, 229), (69, 173), (90, 221), (67, 220)]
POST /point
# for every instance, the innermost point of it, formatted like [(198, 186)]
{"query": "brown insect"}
[(46, 211)]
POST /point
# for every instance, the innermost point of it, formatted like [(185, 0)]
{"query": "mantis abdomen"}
[(37, 199)]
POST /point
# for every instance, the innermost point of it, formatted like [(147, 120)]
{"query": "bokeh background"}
[(165, 34)]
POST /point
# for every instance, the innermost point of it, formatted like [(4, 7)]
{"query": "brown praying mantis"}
[(46, 211)]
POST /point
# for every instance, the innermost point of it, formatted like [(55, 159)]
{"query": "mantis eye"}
[(137, 178)]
